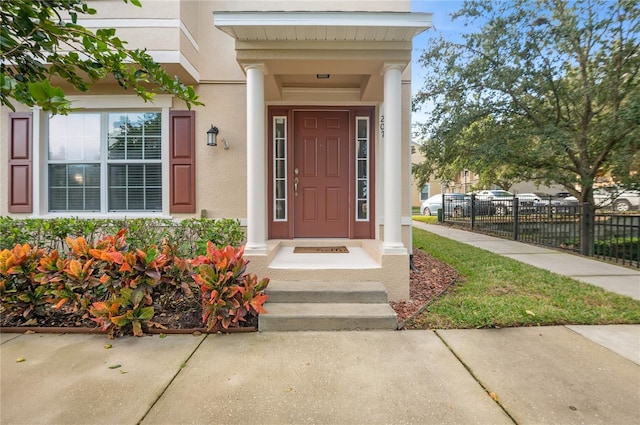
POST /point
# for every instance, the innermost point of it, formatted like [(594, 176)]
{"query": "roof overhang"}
[(322, 26)]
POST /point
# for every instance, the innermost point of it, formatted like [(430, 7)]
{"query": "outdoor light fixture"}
[(212, 136)]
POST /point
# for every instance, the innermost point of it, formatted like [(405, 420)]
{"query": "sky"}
[(442, 24)]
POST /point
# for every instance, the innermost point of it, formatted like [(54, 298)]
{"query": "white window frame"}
[(275, 181), (99, 103), (367, 161)]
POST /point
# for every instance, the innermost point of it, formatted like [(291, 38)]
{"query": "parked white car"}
[(619, 200), (456, 204), (529, 197), (502, 200), (560, 203), (490, 195)]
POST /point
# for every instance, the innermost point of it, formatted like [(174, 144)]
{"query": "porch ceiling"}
[(351, 47), (322, 26)]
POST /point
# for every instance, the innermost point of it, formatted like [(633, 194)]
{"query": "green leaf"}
[(146, 313), (37, 90)]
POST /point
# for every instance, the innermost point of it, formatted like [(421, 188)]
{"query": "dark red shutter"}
[(182, 161), (20, 162)]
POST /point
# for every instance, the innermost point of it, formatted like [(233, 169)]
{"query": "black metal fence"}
[(550, 222)]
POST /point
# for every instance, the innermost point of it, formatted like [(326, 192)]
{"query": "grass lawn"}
[(495, 291), (425, 218)]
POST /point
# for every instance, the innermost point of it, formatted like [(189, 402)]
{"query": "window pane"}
[(362, 148), (57, 199), (117, 147), (74, 187), (280, 189), (362, 169), (279, 169), (117, 199), (152, 148), (134, 135), (154, 199), (92, 176), (362, 210), (280, 210), (153, 175), (135, 175), (135, 198), (117, 175), (57, 175), (280, 148), (75, 175), (76, 199), (134, 147), (280, 123), (74, 137), (92, 199), (135, 187), (424, 193), (362, 189), (362, 129)]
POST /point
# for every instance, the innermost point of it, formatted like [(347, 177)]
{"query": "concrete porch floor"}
[(365, 262), (356, 258)]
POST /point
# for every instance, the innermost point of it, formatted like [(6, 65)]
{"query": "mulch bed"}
[(430, 280)]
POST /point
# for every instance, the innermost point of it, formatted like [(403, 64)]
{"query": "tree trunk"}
[(587, 227)]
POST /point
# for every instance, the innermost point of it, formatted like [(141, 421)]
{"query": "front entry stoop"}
[(326, 306)]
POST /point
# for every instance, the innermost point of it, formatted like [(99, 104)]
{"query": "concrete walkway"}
[(544, 375), (539, 375), (622, 280)]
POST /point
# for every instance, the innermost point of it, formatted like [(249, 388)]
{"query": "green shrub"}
[(620, 248), (189, 237)]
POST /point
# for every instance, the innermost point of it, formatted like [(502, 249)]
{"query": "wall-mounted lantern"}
[(212, 136)]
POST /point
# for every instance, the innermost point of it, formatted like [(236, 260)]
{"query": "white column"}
[(392, 152), (256, 172)]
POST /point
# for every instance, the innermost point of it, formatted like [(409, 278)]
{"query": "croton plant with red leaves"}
[(117, 287)]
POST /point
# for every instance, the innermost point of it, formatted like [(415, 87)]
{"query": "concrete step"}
[(327, 317), (326, 292)]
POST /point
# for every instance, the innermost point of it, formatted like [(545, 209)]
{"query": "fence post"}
[(587, 226), (472, 207), (441, 214), (516, 216)]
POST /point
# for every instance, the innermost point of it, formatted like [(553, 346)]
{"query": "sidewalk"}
[(543, 375), (613, 278)]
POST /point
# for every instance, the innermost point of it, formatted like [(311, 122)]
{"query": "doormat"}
[(320, 250)]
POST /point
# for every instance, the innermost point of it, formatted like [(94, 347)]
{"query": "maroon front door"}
[(321, 174)]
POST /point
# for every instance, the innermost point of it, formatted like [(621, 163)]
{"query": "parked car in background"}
[(457, 204), (527, 201), (560, 203), (620, 200), (501, 199), (491, 195)]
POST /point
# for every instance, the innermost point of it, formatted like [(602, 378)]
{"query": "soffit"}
[(322, 26)]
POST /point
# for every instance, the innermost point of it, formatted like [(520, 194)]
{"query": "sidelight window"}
[(362, 168), (280, 168)]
